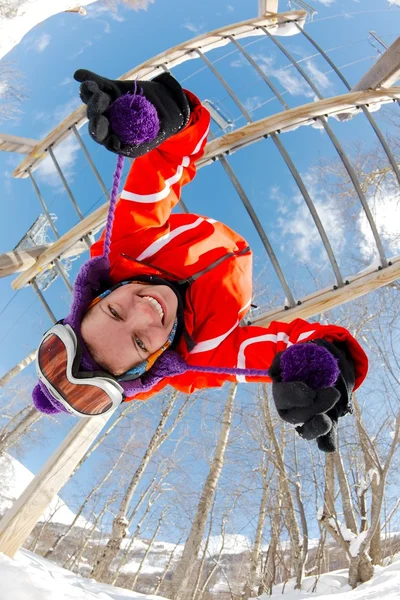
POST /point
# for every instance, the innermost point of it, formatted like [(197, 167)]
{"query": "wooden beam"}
[(267, 6), (229, 142), (385, 72), (301, 115), (19, 521), (14, 143), (17, 261), (314, 304), (152, 67)]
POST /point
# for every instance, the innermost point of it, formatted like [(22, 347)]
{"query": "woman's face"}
[(129, 325)]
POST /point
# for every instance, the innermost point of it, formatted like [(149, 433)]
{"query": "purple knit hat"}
[(94, 276)]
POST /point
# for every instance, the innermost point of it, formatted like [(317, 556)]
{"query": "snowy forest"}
[(211, 496)]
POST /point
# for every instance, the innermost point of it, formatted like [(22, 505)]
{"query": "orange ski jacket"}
[(148, 239)]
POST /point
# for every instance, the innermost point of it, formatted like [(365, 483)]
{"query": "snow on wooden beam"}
[(227, 143), (385, 72), (152, 67)]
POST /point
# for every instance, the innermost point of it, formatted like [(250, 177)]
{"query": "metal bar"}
[(260, 230), (378, 39), (256, 222), (43, 301), (91, 163), (357, 186), (61, 271), (365, 110), (65, 184), (259, 71), (339, 149), (311, 208), (43, 203), (292, 168), (225, 84), (183, 206), (291, 59)]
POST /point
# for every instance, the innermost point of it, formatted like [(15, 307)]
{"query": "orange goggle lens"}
[(85, 398)]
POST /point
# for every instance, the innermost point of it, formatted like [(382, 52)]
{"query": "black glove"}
[(318, 409), (163, 92)]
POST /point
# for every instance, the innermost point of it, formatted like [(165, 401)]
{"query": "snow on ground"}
[(385, 585), (14, 478), (31, 577), (29, 13)]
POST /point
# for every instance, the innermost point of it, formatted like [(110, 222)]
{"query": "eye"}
[(114, 312), (139, 342)]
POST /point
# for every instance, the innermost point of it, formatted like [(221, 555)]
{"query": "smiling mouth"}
[(157, 305)]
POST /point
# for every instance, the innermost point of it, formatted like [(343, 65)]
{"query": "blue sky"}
[(111, 44)]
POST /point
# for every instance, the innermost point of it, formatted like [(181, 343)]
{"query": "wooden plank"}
[(267, 6), (150, 68), (20, 260), (90, 224), (19, 521), (293, 118), (229, 142), (14, 143), (359, 285), (385, 72)]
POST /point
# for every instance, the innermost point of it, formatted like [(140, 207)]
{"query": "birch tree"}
[(181, 581), (120, 524), (288, 502)]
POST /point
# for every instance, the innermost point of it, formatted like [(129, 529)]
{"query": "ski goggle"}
[(82, 393)]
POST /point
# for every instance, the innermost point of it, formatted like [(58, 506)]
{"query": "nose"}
[(143, 313)]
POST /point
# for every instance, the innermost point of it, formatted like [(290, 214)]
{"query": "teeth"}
[(157, 305)]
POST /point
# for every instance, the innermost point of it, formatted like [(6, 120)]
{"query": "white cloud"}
[(394, 2), (385, 207), (252, 102), (193, 27), (237, 63), (230, 8), (96, 10), (66, 154), (81, 50), (41, 42), (318, 77), (66, 81), (297, 224), (293, 83), (63, 110), (326, 2)]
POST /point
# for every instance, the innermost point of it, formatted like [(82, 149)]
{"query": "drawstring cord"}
[(113, 201)]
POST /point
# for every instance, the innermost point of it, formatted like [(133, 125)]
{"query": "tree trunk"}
[(92, 492), (167, 566), (255, 554), (183, 572), (153, 537), (269, 573), (293, 527), (347, 504), (120, 524), (375, 550), (360, 570), (12, 437)]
